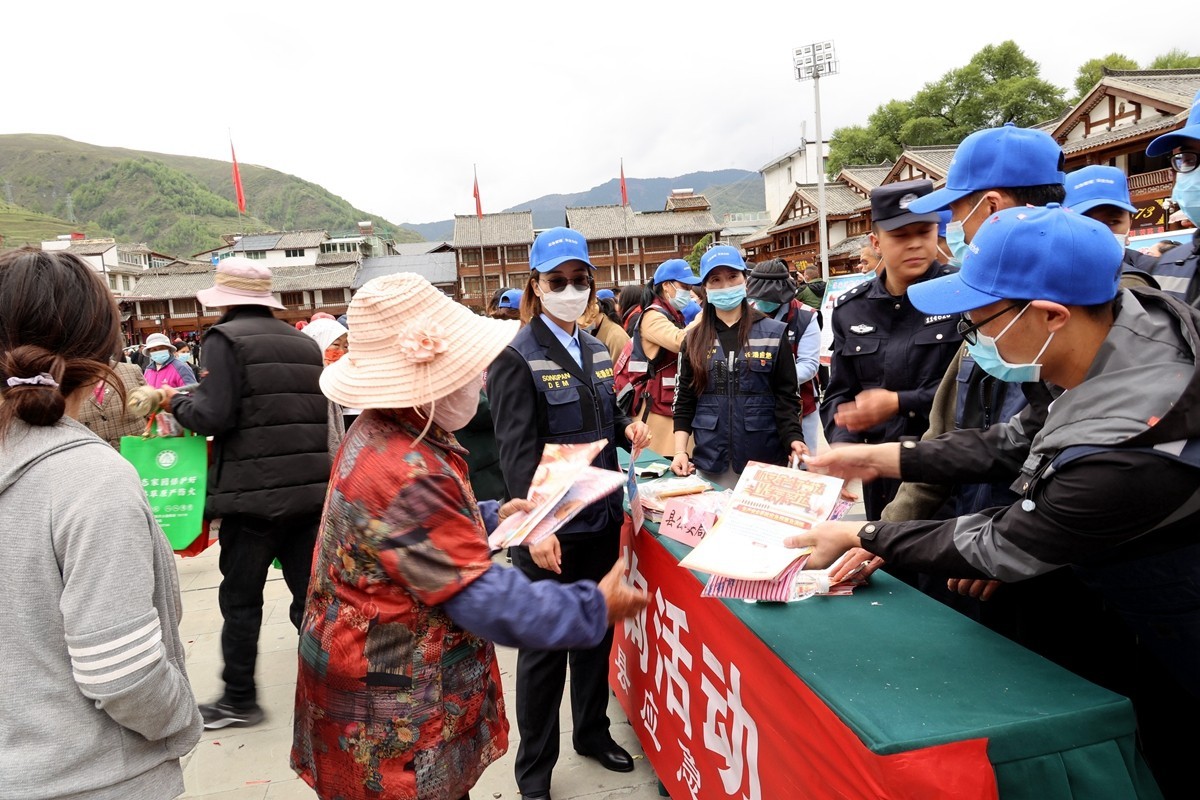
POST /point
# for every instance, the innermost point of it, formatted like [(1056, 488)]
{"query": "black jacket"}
[(263, 406)]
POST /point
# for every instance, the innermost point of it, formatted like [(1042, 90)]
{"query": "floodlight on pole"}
[(811, 62)]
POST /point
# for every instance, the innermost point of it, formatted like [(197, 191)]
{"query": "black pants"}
[(248, 546), (541, 674)]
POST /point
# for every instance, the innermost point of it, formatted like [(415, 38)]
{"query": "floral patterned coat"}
[(393, 700)]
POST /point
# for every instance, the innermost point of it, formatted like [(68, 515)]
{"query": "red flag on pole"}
[(624, 193), (237, 181), (478, 205)]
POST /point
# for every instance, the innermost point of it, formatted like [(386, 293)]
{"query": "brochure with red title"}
[(769, 504)]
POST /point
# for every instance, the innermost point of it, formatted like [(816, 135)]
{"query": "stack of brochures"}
[(655, 494)]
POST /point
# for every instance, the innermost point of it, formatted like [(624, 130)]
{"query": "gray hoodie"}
[(94, 700)]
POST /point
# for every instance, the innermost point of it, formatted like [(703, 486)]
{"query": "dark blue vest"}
[(1176, 269), (1000, 402), (735, 415), (576, 405)]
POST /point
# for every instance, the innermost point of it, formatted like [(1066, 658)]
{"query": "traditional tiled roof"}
[(866, 176), (687, 202), (1174, 86), (177, 279), (91, 248), (331, 259), (1138, 130), (493, 230), (419, 248), (139, 247), (840, 199), (666, 223), (603, 222), (932, 159), (305, 278), (298, 240), (437, 268), (849, 245), (257, 241)]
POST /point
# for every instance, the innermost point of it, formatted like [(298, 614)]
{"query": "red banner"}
[(237, 182), (720, 716), (624, 193)]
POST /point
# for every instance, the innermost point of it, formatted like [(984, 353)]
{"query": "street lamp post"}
[(811, 62)]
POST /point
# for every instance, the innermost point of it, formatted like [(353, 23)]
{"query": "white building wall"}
[(781, 176)]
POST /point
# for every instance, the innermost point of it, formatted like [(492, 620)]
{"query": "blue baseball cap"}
[(605, 294), (510, 299), (996, 158), (1169, 141), (1048, 253), (720, 256), (557, 246), (944, 217), (676, 269), (1097, 185)]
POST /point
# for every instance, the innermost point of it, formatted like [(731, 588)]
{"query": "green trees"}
[(1000, 84)]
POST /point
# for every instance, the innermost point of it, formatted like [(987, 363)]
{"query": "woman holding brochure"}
[(398, 693), (554, 384), (736, 392)]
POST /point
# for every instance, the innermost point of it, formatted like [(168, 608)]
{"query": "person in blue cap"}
[(992, 169), (606, 294), (1107, 477), (943, 247), (736, 391), (657, 336), (888, 358), (1102, 193), (1176, 270), (508, 305), (554, 384)]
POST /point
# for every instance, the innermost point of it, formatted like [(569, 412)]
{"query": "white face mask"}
[(455, 410), (1121, 237), (569, 304)]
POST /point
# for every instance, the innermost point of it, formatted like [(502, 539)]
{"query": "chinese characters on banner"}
[(720, 716)]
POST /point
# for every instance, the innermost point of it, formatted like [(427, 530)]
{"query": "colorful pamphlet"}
[(686, 518), (769, 504), (563, 485)]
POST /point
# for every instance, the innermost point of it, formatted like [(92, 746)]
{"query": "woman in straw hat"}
[(554, 384), (398, 693)]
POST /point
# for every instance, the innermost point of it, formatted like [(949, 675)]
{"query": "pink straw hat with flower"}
[(410, 345)]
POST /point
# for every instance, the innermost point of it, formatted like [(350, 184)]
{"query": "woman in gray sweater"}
[(94, 700)]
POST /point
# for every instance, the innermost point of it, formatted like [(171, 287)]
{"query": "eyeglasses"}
[(969, 331), (1185, 161), (558, 283)]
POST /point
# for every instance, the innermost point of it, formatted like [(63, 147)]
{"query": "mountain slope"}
[(728, 190), (177, 204)]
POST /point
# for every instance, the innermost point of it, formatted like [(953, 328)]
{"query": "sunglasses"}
[(558, 283), (1184, 161), (969, 331)]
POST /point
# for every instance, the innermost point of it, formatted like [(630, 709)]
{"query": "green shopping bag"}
[(174, 473)]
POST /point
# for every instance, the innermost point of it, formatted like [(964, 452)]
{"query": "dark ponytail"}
[(59, 326)]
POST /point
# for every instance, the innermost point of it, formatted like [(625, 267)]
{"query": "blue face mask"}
[(727, 299), (185, 357), (160, 356), (956, 237), (988, 357), (681, 299), (1187, 194), (766, 306)]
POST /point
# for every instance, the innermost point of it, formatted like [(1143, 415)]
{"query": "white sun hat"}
[(410, 344)]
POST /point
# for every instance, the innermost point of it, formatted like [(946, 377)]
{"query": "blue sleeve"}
[(186, 372), (808, 352), (504, 606), (490, 511)]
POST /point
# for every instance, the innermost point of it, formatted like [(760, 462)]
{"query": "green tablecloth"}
[(904, 672)]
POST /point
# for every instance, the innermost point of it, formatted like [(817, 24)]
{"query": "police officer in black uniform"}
[(888, 358), (554, 384)]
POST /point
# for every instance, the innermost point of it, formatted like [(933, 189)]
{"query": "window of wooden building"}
[(184, 307), (292, 299), (153, 308), (659, 244), (857, 226), (516, 254), (599, 247)]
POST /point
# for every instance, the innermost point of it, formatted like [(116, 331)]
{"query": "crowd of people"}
[(1014, 387)]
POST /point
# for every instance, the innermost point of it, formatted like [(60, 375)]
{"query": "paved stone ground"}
[(252, 763)]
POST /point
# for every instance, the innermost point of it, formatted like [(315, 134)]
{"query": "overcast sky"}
[(389, 104)]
